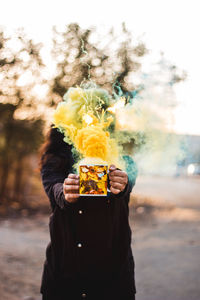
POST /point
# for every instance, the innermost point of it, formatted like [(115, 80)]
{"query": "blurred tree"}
[(20, 124), (19, 139), (113, 62), (80, 55), (109, 62)]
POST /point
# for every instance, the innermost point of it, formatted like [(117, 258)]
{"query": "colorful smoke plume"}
[(104, 128), (84, 118)]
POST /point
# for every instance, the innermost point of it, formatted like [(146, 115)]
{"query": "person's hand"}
[(71, 188), (118, 180)]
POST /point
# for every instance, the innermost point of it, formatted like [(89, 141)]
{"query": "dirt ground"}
[(166, 239), (165, 219)]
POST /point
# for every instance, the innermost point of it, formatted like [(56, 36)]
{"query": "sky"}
[(170, 26)]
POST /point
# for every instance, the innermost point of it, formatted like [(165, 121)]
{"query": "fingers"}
[(112, 168), (68, 188), (71, 188), (114, 191), (118, 176), (118, 180), (117, 185), (72, 179), (118, 173), (71, 197), (69, 181), (73, 176)]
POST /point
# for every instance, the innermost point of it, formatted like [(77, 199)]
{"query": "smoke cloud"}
[(84, 119), (104, 128)]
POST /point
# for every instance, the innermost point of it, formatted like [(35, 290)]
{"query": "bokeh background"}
[(147, 51)]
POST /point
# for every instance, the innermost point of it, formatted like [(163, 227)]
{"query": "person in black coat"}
[(89, 255)]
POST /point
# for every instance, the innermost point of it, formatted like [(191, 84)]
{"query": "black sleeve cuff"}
[(60, 197)]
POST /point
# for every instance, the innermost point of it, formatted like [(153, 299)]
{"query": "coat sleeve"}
[(53, 184)]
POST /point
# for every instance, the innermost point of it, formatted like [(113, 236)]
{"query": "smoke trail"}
[(116, 87), (82, 58)]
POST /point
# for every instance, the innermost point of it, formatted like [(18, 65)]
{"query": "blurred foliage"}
[(82, 55), (20, 129)]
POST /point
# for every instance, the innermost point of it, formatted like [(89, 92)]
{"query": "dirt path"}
[(22, 251), (166, 240), (166, 244)]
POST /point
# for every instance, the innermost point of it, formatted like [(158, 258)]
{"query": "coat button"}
[(79, 245), (83, 295), (80, 212)]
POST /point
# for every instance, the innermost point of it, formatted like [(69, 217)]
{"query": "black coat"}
[(89, 255)]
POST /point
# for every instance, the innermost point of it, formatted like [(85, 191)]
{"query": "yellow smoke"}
[(95, 142), (140, 129), (87, 132)]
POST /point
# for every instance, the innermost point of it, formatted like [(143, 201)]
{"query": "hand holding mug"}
[(71, 188), (118, 179)]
